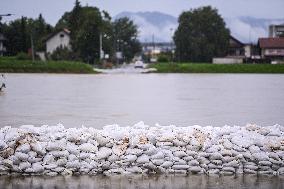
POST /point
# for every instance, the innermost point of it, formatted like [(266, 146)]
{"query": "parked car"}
[(139, 64)]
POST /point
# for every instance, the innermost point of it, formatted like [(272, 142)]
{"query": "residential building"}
[(236, 48), (2, 47), (58, 39), (276, 30), (238, 53), (271, 48)]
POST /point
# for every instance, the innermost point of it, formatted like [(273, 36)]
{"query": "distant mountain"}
[(151, 25), (155, 18), (159, 25)]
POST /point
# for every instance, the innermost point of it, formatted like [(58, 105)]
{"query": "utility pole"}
[(153, 53), (32, 47), (101, 46)]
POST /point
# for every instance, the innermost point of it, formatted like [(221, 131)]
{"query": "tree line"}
[(200, 36), (18, 34), (86, 25)]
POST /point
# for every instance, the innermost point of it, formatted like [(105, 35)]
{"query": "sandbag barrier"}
[(141, 149)]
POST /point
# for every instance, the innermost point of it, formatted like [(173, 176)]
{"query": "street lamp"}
[(1, 15), (101, 45), (119, 49)]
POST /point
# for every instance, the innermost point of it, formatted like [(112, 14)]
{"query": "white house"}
[(58, 39)]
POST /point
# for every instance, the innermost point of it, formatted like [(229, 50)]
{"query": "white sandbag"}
[(130, 158), (158, 161), (134, 169), (134, 151), (3, 145), (179, 154), (38, 148), (22, 156), (143, 159), (113, 158), (59, 154), (104, 153), (119, 149), (159, 155), (48, 158), (87, 147), (72, 148), (167, 164), (180, 167), (195, 169), (61, 162), (24, 165), (37, 167), (193, 163), (73, 164), (34, 159)]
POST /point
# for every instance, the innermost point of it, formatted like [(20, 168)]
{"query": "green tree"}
[(17, 36), (19, 32), (86, 25), (63, 22), (39, 29), (125, 37), (201, 35), (88, 37), (75, 22)]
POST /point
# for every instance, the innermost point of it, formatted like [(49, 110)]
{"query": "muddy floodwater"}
[(125, 99), (143, 182)]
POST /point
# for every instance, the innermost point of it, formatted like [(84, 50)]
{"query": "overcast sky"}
[(52, 10)]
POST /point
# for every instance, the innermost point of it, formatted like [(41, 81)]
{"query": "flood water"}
[(180, 99), (125, 99), (142, 182)]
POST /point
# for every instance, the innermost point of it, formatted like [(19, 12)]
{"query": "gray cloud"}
[(246, 29), (233, 10), (54, 9)]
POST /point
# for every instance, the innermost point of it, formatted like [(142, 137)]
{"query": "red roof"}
[(276, 42)]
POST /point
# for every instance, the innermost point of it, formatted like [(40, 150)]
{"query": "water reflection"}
[(141, 182)]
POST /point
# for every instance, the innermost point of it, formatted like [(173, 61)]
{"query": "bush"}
[(62, 53), (163, 58), (11, 65), (23, 56)]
